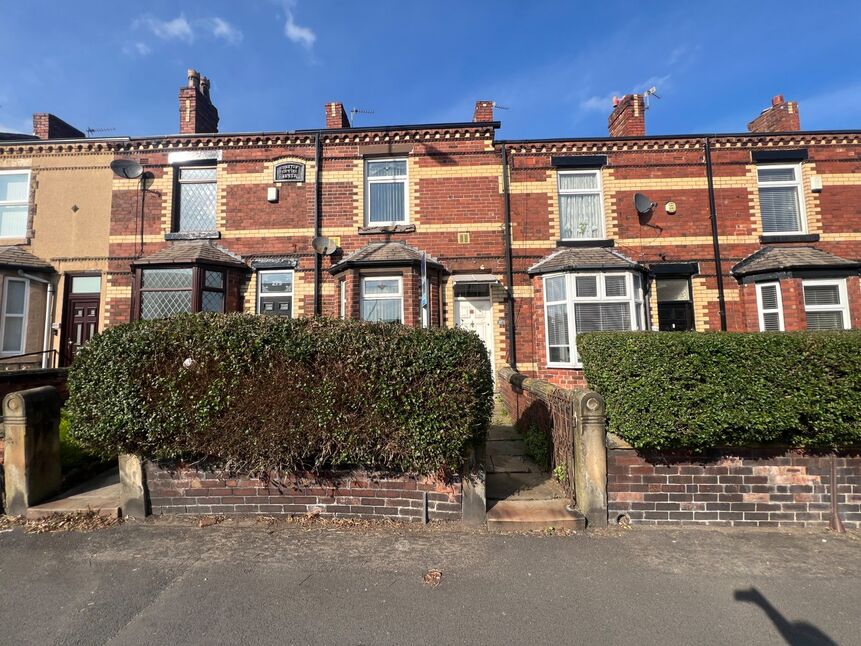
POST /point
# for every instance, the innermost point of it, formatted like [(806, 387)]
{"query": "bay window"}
[(581, 206), (174, 290), (386, 191), (575, 303), (780, 198), (383, 299), (826, 305), (770, 306), (14, 203)]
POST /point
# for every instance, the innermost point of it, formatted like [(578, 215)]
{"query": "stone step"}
[(523, 486), (506, 447), (100, 495), (503, 433), (527, 515), (511, 464)]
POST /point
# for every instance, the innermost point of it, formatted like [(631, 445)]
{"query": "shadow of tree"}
[(796, 633)]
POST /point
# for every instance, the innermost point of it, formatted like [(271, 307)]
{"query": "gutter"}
[(509, 268), (715, 241), (49, 302), (318, 258)]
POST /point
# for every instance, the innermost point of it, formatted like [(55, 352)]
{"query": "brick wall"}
[(750, 487), (336, 494)]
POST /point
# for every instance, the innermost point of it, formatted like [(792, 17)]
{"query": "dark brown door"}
[(82, 321)]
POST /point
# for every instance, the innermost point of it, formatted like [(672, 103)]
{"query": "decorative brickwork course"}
[(746, 487), (333, 494)]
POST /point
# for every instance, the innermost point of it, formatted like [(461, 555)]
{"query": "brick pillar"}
[(336, 115), (49, 126), (782, 116), (628, 118), (483, 111)]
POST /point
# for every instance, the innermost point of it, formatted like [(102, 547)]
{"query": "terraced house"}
[(528, 243)]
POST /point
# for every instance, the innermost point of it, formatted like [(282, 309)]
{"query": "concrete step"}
[(523, 486), (511, 464), (506, 447), (527, 515), (100, 495), (503, 433)]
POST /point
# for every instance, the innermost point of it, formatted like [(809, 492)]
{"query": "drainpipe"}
[(715, 242), (509, 268), (49, 301), (318, 258)]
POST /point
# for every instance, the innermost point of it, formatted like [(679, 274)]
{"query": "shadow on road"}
[(796, 633)]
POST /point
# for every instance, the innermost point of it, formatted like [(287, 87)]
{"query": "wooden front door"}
[(82, 321)]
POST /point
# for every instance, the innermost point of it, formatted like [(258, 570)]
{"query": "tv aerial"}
[(126, 168), (93, 131), (652, 91), (356, 111), (643, 204), (324, 246)]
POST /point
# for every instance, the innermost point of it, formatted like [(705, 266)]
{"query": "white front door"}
[(476, 314)]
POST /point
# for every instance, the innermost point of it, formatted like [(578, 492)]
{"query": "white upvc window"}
[(275, 292), (769, 304), (575, 303), (581, 205), (16, 295), (342, 286), (383, 299), (386, 192), (14, 203), (826, 304), (781, 201)]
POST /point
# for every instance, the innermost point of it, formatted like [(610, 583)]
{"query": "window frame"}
[(581, 191), (761, 312), (405, 178), (842, 292), (261, 296), (198, 286), (177, 192), (634, 299), (363, 297), (25, 203), (797, 183), (22, 346)]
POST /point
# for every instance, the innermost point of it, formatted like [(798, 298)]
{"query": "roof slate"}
[(190, 252), (576, 258), (388, 253), (18, 258), (774, 259)]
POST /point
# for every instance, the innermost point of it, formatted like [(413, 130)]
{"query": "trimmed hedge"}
[(253, 393), (703, 390)]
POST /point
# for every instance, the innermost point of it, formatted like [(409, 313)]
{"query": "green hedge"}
[(269, 393), (704, 390)]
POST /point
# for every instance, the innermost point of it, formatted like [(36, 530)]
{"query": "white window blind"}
[(826, 305), (386, 191), (780, 199), (14, 201), (770, 305), (581, 211)]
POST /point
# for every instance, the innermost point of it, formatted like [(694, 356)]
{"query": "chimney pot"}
[(197, 114), (777, 99), (193, 78)]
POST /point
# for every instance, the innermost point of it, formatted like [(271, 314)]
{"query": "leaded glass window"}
[(197, 197)]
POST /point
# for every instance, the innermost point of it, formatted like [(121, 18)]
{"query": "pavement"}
[(153, 582)]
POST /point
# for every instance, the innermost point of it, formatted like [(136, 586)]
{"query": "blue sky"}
[(554, 65)]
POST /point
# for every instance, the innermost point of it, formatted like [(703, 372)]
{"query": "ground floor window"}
[(174, 290), (675, 306), (383, 299), (275, 292), (14, 324), (826, 305), (575, 303), (770, 307)]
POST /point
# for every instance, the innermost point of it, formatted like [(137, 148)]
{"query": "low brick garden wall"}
[(751, 487), (336, 494)]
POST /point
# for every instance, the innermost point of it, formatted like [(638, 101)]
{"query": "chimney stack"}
[(483, 111), (782, 116), (48, 126), (628, 118), (196, 112), (336, 116)]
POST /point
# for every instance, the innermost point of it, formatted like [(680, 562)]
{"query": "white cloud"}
[(177, 29), (220, 28), (137, 49), (599, 103), (298, 34)]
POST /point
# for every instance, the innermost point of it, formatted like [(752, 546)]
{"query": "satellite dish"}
[(126, 168), (324, 246), (643, 204)]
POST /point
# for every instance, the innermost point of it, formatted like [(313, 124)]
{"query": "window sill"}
[(192, 235), (387, 228), (596, 242), (771, 238), (12, 240), (565, 366)]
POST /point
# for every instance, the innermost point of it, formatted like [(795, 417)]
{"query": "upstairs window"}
[(780, 199), (382, 299), (14, 203), (575, 303), (581, 210), (386, 191), (196, 208), (275, 293), (826, 305), (770, 306), (174, 290)]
